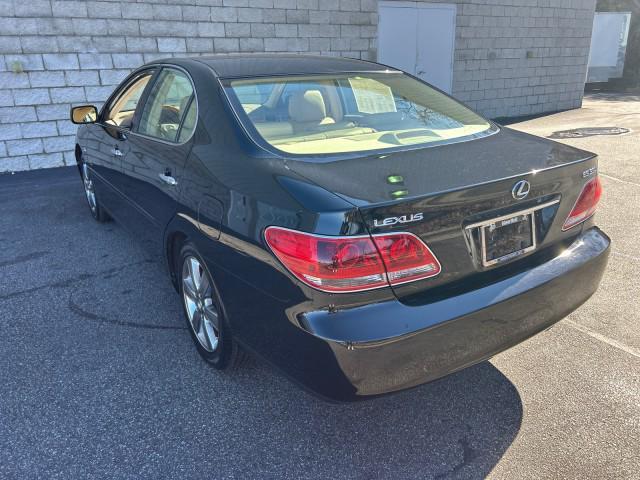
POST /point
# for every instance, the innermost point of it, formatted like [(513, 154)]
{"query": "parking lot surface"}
[(99, 377)]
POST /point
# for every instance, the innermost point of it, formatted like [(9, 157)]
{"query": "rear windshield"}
[(350, 112)]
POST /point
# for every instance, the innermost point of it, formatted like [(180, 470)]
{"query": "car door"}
[(108, 140), (157, 150)]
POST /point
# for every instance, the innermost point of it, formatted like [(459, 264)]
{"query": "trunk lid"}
[(436, 193)]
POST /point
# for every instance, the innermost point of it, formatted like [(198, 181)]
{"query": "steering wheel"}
[(168, 130)]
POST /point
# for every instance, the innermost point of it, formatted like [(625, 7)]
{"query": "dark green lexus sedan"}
[(352, 225)]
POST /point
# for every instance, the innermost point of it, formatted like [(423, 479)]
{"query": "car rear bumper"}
[(390, 346)]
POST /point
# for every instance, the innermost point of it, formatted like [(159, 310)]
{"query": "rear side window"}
[(326, 114), (166, 106)]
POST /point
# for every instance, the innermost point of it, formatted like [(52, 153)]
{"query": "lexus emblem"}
[(520, 190)]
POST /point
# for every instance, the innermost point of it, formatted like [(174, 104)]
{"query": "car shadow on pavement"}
[(269, 427), (456, 427), (115, 388)]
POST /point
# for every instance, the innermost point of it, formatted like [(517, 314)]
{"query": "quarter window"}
[(121, 109), (166, 106), (189, 122)]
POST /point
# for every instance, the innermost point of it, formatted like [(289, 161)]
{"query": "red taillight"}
[(586, 204), (351, 264), (406, 257)]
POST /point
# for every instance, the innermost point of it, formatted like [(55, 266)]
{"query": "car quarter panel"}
[(230, 192)]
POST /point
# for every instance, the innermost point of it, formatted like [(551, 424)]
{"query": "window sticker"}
[(372, 96)]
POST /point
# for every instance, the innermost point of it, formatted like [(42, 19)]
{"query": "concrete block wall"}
[(512, 57), (521, 57), (54, 54)]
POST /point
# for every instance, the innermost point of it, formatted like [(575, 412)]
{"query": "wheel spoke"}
[(211, 314), (189, 289), (196, 321), (203, 332), (191, 307), (210, 334), (196, 275), (203, 288), (189, 266)]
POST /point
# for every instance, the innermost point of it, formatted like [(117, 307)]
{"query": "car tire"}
[(97, 212), (204, 312)]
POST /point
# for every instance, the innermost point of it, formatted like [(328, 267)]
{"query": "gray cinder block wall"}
[(521, 57), (54, 54), (512, 57)]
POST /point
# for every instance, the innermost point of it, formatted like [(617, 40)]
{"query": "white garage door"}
[(608, 45), (418, 38)]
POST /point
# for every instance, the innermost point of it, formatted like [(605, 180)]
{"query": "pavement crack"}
[(69, 281), (469, 454), (24, 258), (78, 310)]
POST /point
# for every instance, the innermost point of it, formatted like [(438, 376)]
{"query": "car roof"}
[(265, 64)]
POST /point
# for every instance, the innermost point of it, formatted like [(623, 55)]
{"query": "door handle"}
[(116, 151), (168, 179)]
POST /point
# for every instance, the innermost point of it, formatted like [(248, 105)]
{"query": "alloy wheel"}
[(88, 188), (202, 311)]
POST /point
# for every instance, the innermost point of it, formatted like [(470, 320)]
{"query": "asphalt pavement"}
[(99, 377)]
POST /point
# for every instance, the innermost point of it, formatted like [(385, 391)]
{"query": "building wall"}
[(526, 57), (522, 57), (54, 54)]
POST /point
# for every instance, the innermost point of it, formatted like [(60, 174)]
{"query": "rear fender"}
[(181, 227)]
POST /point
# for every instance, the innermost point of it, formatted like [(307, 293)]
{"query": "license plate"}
[(506, 238)]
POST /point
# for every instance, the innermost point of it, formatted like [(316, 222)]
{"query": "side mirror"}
[(84, 114)]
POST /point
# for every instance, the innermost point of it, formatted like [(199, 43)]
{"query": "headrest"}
[(307, 106)]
